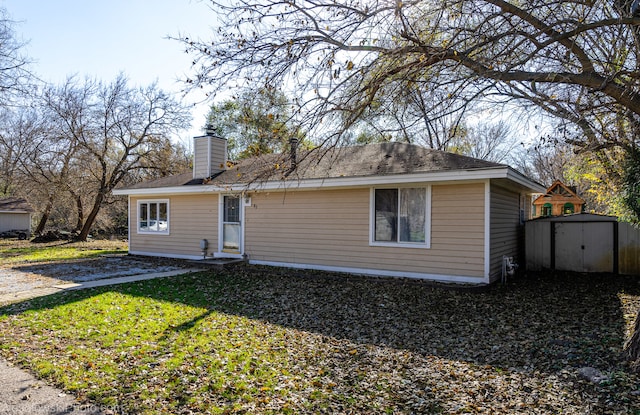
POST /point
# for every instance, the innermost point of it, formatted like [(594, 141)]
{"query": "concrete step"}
[(217, 262)]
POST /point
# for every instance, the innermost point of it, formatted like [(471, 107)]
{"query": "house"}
[(558, 200), (390, 209), (15, 215)]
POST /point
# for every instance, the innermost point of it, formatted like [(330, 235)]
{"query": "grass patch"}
[(15, 252), (154, 351), (261, 341)]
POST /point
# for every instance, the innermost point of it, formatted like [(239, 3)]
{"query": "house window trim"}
[(149, 201), (427, 223)]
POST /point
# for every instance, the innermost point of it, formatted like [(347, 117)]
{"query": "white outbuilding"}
[(15, 215)]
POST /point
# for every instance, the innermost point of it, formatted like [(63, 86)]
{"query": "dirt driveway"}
[(23, 281)]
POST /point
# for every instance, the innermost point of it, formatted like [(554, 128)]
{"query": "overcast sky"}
[(100, 39)]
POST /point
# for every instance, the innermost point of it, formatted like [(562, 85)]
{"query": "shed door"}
[(584, 246)]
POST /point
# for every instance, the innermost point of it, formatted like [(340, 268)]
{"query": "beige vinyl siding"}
[(331, 228), (457, 228), (200, 157), (208, 150), (528, 206), (218, 154), (191, 219), (506, 229)]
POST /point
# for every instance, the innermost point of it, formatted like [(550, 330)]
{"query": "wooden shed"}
[(582, 243), (558, 200)]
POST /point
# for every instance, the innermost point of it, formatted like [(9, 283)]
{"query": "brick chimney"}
[(209, 154)]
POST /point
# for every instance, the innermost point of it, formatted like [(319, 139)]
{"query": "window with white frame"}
[(400, 216), (153, 216)]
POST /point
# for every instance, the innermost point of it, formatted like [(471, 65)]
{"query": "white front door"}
[(231, 224)]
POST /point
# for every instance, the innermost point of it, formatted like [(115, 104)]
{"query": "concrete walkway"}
[(41, 292), (23, 394), (124, 280)]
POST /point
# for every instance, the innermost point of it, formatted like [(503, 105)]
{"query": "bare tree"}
[(418, 117), (35, 164), (576, 60), (493, 141), (15, 73), (164, 159), (114, 127), (19, 133), (14, 77)]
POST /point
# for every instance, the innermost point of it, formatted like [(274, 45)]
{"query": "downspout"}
[(129, 222), (487, 231)]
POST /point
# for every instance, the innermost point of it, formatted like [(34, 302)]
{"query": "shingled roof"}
[(15, 205), (355, 161)]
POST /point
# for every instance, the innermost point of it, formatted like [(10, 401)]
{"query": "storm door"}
[(231, 224)]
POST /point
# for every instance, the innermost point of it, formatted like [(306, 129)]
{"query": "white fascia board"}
[(162, 191), (525, 181), (396, 179), (22, 212), (370, 180), (500, 172)]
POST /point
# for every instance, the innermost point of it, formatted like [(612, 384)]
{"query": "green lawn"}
[(13, 251), (270, 341)]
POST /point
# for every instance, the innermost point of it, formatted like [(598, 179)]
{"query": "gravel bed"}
[(16, 281)]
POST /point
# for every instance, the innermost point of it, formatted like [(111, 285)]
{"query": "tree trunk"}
[(80, 213), (97, 203), (632, 346), (45, 217)]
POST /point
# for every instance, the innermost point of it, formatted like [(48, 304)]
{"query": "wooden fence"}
[(629, 248)]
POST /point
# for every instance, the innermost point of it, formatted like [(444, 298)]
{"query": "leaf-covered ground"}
[(267, 340)]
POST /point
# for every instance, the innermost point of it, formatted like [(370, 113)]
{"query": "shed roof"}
[(578, 217), (365, 161), (15, 205)]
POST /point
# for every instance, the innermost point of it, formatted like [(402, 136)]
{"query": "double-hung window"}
[(400, 216), (153, 216)]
